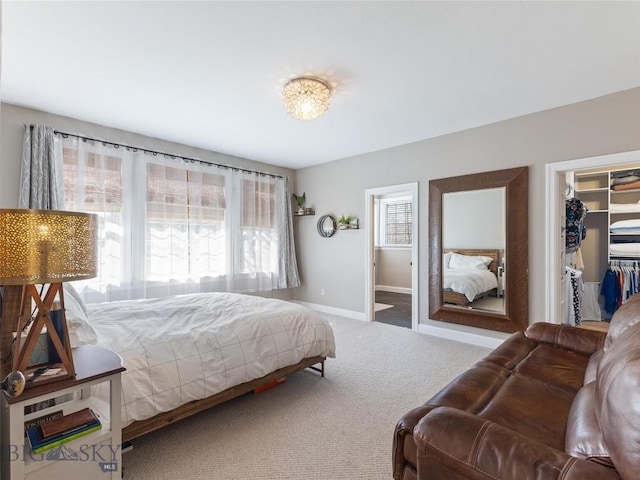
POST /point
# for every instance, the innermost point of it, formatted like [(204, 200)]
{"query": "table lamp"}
[(41, 247)]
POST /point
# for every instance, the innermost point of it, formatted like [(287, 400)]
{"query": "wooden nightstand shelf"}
[(95, 455)]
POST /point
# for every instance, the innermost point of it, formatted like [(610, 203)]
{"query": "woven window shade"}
[(399, 227)]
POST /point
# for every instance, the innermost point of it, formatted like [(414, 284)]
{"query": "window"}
[(170, 227), (396, 228), (185, 223), (93, 184)]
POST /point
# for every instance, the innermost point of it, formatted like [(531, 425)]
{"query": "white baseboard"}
[(465, 337), (459, 336), (332, 310), (389, 288)]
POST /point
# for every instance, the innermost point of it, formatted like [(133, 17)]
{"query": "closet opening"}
[(598, 232)]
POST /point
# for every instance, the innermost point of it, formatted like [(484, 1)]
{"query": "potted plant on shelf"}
[(344, 222), (300, 200)]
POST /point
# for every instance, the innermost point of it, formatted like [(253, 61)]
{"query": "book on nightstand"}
[(37, 421), (55, 432)]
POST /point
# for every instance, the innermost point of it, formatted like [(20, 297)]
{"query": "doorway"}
[(555, 187), (389, 211)]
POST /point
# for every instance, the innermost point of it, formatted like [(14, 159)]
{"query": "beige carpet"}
[(337, 427)]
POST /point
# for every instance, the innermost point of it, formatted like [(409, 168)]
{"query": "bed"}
[(469, 274), (187, 353)]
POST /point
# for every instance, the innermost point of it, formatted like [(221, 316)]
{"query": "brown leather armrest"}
[(564, 336), (456, 444), (404, 428)]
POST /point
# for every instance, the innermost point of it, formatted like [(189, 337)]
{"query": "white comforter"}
[(469, 281), (183, 348)]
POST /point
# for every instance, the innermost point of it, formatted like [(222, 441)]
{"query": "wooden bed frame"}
[(142, 427), (456, 298)]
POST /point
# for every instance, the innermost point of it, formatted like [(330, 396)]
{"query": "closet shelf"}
[(619, 192), (592, 190)]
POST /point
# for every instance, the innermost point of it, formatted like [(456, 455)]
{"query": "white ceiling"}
[(210, 74)]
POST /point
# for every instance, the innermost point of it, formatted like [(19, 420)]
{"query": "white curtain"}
[(41, 169), (169, 226)]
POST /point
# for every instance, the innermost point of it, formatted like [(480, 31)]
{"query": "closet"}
[(612, 241)]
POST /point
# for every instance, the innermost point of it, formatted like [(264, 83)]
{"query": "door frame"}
[(369, 296), (553, 228)]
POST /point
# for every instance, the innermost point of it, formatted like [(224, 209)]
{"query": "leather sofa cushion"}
[(584, 438), (512, 351), (617, 395), (592, 367), (561, 368), (624, 318), (532, 408), (473, 389), (570, 338)]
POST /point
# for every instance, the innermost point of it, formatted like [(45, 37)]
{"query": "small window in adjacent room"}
[(396, 229)]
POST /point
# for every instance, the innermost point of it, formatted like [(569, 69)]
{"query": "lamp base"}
[(60, 344)]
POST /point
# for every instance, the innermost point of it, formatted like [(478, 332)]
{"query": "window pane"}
[(258, 227), (258, 204), (398, 223), (185, 224), (93, 184)]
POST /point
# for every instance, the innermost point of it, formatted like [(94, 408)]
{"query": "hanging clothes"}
[(621, 281), (611, 291), (576, 211), (574, 296), (576, 260), (589, 306)]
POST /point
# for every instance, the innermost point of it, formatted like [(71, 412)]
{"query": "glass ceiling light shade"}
[(306, 98), (47, 246)]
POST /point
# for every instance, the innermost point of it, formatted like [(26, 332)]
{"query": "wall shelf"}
[(307, 213)]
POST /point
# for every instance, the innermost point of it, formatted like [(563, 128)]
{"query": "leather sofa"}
[(552, 402)]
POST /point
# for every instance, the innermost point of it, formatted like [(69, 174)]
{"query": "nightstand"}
[(95, 455)]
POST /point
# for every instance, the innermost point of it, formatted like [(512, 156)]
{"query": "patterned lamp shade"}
[(47, 246)]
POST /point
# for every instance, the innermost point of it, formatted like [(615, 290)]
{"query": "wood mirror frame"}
[(516, 311)]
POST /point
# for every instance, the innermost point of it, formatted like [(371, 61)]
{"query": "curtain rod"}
[(166, 155)]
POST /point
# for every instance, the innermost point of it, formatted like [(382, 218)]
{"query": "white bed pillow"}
[(80, 330), (445, 260), (458, 261)]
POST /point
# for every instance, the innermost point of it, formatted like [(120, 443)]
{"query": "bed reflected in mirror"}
[(474, 236), (478, 250)]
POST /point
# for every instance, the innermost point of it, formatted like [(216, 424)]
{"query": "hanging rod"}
[(166, 155)]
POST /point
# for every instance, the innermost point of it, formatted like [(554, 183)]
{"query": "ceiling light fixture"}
[(306, 98)]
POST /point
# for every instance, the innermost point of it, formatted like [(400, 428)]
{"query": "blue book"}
[(40, 444)]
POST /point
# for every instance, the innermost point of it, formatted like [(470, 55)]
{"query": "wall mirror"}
[(327, 226), (478, 250)]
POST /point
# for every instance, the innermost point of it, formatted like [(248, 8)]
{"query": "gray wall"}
[(393, 267), (474, 219), (600, 126), (13, 118)]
